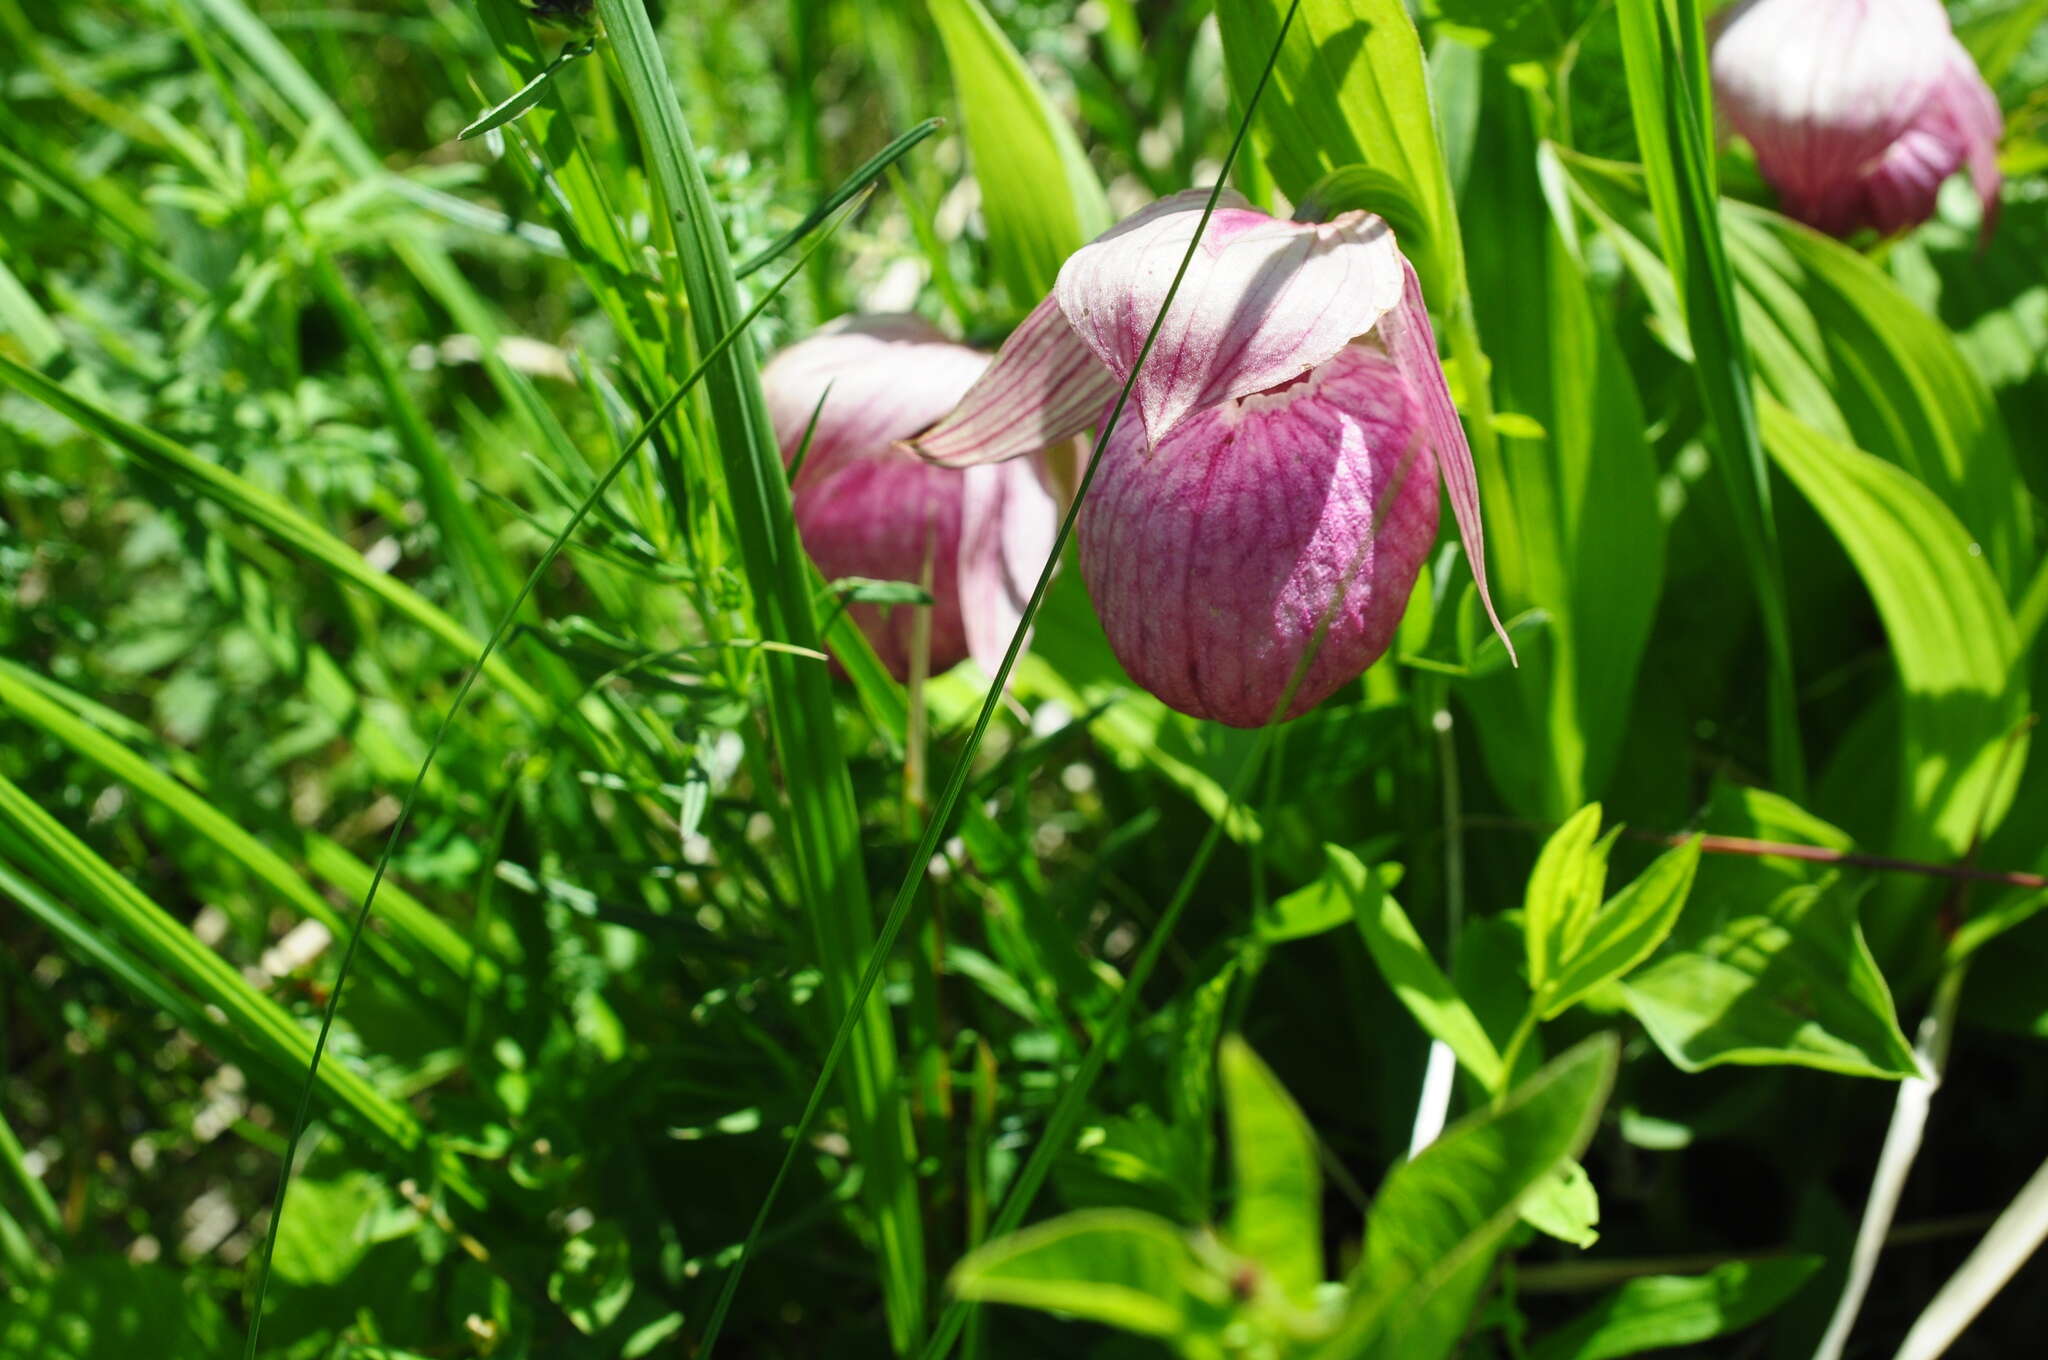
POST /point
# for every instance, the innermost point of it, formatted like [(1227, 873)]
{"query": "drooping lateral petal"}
[(1263, 300), (1044, 386), (1008, 521), (1406, 333), (880, 378)]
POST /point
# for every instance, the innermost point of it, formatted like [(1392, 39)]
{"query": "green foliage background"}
[(297, 386)]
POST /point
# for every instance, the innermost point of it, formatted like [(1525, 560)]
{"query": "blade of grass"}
[(820, 815), (480, 668), (101, 900), (414, 940), (1669, 99), (870, 171), (942, 811)]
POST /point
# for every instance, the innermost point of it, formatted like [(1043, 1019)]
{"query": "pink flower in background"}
[(866, 507), (1272, 487), (1858, 109)]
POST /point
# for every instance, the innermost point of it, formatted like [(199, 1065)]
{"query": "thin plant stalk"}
[(935, 825)]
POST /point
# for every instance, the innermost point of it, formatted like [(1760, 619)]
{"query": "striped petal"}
[(1008, 521), (1263, 300), (1043, 387), (879, 379)]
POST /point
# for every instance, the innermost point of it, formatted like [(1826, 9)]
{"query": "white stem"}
[(1435, 1104), (1895, 1162), (2016, 1235), (1440, 1075)]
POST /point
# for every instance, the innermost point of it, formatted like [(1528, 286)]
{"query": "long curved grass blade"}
[(1666, 65), (399, 824), (871, 170), (942, 811)]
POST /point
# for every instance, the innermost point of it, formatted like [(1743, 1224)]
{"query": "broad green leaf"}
[(1565, 1206), (106, 1308), (1438, 1220), (1843, 348), (1626, 930), (1847, 352), (1351, 188), (1793, 983), (1349, 88), (1951, 635), (1276, 1217), (1578, 534), (1039, 196), (1564, 891), (1658, 1312), (1113, 1266), (1405, 962)]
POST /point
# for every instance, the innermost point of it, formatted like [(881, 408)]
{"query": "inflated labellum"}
[(1267, 498), (1857, 109), (975, 538)]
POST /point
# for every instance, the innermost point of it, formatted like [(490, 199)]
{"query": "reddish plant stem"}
[(1820, 854)]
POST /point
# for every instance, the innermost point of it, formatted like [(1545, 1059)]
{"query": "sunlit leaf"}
[(1039, 196), (1790, 983), (1114, 1266), (1276, 1212), (1658, 1312), (1437, 1221)]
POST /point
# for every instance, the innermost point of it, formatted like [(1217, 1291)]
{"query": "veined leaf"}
[(1658, 1312), (1580, 536), (1951, 635), (1792, 984), (1840, 346), (1405, 962), (1516, 30), (1350, 88), (1039, 195), (1277, 1216), (1626, 930), (1114, 1266), (1438, 1220), (1564, 891)]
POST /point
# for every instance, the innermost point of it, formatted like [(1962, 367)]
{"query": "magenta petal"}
[(1263, 300), (1259, 529), (1044, 386), (1412, 344), (891, 518), (1857, 109), (881, 379), (1008, 521)]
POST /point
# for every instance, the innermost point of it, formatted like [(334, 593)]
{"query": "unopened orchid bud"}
[(865, 507), (1858, 109), (1262, 510)]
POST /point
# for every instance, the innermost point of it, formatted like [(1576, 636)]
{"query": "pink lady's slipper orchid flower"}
[(866, 507), (1858, 109), (1271, 491)]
